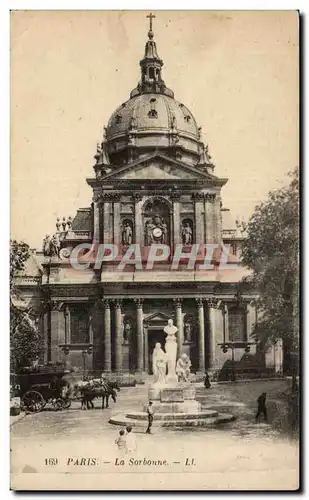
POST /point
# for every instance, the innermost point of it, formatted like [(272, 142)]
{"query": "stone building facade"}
[(153, 182)]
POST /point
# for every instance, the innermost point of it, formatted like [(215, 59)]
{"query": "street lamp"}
[(84, 355)]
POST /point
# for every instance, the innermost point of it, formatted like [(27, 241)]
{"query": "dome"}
[(151, 121)]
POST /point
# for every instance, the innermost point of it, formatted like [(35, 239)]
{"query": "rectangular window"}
[(237, 324), (79, 325)]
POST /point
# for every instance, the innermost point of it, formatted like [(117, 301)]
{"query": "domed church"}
[(153, 183)]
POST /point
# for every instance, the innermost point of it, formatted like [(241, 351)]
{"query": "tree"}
[(271, 251), (24, 334)]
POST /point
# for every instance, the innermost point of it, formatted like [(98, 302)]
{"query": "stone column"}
[(210, 231), (146, 360), (208, 221), (118, 337), (201, 335), (139, 335), (179, 325), (96, 220), (176, 239), (106, 222), (212, 304), (250, 319), (217, 218), (67, 324), (107, 337), (198, 213), (116, 221), (138, 224)]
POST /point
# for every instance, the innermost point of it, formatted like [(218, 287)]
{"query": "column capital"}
[(97, 196), (139, 302), (106, 303), (44, 305), (177, 302), (200, 302), (198, 196), (137, 197), (117, 303), (110, 197), (210, 197), (175, 196), (212, 302), (56, 305)]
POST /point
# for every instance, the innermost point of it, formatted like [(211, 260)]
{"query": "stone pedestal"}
[(174, 407), (173, 398)]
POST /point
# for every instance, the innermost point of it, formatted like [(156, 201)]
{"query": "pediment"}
[(156, 317), (157, 167), (154, 170)]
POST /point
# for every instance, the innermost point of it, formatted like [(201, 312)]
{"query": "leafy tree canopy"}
[(24, 334), (271, 251)]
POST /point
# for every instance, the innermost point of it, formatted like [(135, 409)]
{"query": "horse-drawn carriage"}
[(93, 388), (39, 387)]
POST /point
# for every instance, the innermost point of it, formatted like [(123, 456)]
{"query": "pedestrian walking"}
[(130, 440), (150, 417), (207, 383), (121, 441), (261, 401)]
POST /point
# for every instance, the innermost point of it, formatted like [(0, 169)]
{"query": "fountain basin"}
[(173, 421), (174, 405)]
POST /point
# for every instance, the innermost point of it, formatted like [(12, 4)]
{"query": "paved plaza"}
[(241, 454)]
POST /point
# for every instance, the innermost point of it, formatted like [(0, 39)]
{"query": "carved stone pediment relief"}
[(154, 170)]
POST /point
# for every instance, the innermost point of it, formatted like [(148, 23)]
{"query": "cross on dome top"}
[(150, 16)]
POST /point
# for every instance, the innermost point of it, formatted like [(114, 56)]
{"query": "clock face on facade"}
[(157, 232)]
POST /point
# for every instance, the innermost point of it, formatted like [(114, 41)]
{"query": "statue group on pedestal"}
[(183, 367), (51, 245), (164, 366), (65, 225)]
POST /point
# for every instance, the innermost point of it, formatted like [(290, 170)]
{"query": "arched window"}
[(153, 112)]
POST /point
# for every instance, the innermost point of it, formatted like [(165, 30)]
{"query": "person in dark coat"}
[(261, 401), (207, 383), (150, 417)]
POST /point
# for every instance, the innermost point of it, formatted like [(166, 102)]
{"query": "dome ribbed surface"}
[(136, 114)]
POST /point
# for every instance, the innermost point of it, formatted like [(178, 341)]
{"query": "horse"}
[(104, 389)]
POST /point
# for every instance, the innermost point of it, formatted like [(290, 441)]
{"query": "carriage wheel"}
[(33, 401), (66, 404), (58, 404)]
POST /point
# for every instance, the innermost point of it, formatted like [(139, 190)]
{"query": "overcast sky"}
[(236, 71)]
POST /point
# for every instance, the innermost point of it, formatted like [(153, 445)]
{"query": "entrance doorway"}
[(154, 335)]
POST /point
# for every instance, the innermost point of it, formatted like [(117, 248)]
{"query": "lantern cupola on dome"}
[(151, 69)]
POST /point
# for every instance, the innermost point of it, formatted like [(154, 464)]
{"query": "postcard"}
[(154, 257)]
